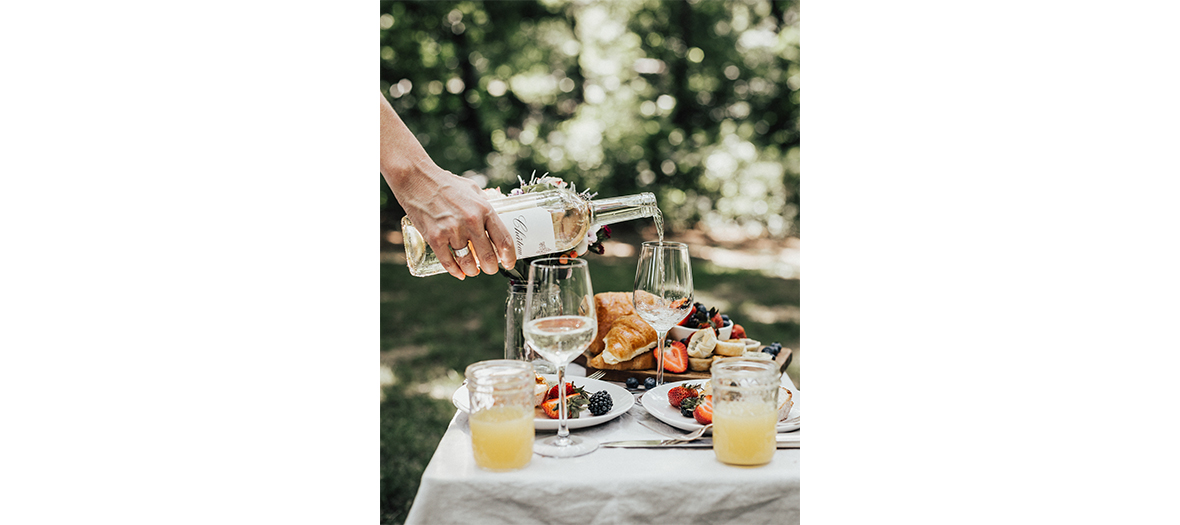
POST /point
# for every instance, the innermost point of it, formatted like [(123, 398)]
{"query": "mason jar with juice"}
[(501, 417), (745, 410)]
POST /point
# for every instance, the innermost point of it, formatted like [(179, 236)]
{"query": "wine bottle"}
[(551, 221)]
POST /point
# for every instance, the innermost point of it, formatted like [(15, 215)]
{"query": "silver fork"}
[(696, 434), (692, 435)]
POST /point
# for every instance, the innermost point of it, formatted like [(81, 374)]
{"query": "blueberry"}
[(632, 383), (649, 383), (725, 318)]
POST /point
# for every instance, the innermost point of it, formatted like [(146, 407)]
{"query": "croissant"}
[(644, 361), (609, 307), (628, 337)]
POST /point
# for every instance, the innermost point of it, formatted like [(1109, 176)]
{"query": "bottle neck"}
[(619, 209)]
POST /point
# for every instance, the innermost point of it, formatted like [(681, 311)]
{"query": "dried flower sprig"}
[(591, 243)]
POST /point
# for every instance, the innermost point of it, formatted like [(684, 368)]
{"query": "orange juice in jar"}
[(502, 437), (745, 412), (501, 419)]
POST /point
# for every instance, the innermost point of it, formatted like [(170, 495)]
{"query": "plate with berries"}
[(687, 405), (591, 402)]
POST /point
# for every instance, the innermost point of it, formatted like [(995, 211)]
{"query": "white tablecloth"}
[(607, 486)]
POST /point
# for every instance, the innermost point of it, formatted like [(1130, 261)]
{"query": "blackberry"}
[(649, 383), (632, 383), (600, 403)]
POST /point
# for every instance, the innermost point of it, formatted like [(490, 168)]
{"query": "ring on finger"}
[(461, 252)]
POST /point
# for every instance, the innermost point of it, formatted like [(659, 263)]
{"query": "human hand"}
[(451, 212)]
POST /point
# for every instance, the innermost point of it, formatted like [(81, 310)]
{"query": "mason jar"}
[(501, 418), (745, 410)]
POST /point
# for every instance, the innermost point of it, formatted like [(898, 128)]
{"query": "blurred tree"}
[(697, 101)]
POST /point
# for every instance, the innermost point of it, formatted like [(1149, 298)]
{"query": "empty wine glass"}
[(559, 323), (663, 290)]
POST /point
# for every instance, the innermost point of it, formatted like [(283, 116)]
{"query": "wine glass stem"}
[(660, 358), (563, 431)]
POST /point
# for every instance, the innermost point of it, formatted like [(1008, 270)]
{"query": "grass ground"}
[(432, 328)]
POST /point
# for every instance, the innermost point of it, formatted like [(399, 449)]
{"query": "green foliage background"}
[(696, 101)]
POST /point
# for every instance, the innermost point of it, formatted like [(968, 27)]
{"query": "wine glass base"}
[(577, 446)]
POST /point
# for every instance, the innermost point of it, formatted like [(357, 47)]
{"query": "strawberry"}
[(676, 357), (737, 332), (679, 393), (703, 413), (574, 406), (570, 390), (717, 321), (550, 408)]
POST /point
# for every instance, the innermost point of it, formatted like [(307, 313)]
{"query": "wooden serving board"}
[(783, 359)]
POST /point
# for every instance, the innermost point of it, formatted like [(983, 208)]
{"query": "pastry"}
[(643, 361), (628, 337), (699, 365), (701, 343), (758, 355), (608, 308), (539, 390), (728, 348)]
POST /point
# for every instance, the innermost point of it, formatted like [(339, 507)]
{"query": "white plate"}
[(621, 402), (656, 403)]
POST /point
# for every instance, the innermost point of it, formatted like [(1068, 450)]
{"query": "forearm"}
[(404, 162), (450, 211)]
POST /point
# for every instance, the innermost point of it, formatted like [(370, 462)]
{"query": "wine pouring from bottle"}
[(551, 221)]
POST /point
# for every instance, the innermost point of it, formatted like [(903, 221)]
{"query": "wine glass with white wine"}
[(559, 323), (663, 290)]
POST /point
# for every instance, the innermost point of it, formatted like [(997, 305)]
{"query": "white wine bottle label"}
[(532, 231)]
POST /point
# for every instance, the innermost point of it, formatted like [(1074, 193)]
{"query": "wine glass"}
[(559, 323), (663, 290)]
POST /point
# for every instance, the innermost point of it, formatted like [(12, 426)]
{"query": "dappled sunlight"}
[(394, 355), (782, 263), (387, 379), (770, 314), (713, 300), (614, 96), (393, 257), (617, 249), (441, 383)]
